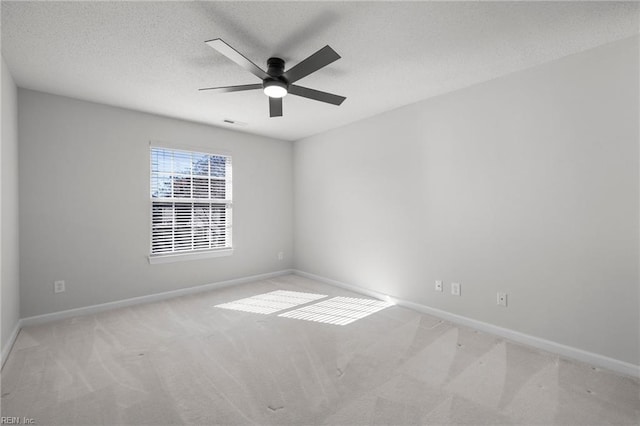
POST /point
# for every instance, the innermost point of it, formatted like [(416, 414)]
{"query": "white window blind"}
[(190, 201)]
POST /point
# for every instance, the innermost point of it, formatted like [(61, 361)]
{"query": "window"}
[(190, 203)]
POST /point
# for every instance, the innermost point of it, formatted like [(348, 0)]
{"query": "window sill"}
[(170, 258)]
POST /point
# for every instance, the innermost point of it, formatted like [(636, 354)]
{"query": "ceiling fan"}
[(276, 82)]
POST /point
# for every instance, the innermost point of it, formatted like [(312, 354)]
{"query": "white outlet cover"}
[(438, 286), (58, 286), (455, 289)]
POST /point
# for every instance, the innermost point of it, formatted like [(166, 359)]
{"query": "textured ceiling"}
[(151, 56)]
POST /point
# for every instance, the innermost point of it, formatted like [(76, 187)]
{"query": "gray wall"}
[(9, 265), (84, 205), (526, 184)]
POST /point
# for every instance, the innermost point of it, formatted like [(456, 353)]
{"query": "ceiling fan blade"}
[(316, 95), (237, 57), (225, 89), (275, 107), (233, 88), (320, 59)]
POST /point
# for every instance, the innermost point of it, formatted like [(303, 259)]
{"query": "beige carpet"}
[(184, 361)]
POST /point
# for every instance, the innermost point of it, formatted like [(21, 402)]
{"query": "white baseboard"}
[(86, 310), (12, 339), (516, 336)]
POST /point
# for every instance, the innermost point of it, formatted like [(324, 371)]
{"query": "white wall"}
[(9, 265), (84, 204), (526, 184)]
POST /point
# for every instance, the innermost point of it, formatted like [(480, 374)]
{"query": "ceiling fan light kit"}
[(276, 82), (275, 88)]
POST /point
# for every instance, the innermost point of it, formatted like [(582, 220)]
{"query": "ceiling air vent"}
[(236, 123)]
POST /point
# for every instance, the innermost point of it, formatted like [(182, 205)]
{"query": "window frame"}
[(193, 253)]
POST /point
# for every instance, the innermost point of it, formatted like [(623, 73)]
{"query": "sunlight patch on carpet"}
[(269, 303), (338, 310)]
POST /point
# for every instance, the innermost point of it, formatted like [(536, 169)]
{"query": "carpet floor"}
[(187, 361)]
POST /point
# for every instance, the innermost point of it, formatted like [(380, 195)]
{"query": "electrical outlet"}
[(280, 255), (502, 299), (438, 286), (455, 289), (58, 287)]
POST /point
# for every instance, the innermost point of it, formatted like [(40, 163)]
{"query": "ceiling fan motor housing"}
[(275, 69)]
